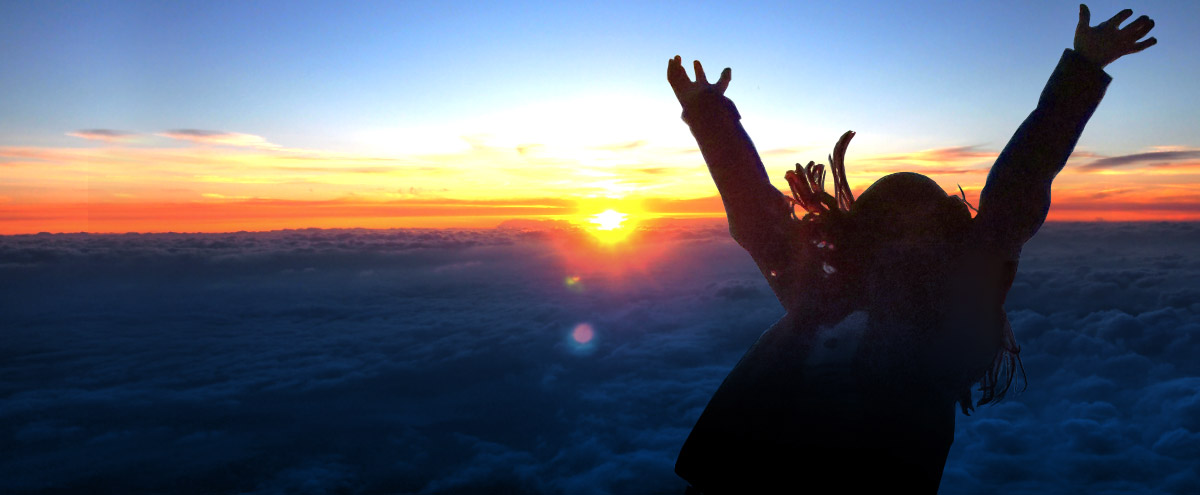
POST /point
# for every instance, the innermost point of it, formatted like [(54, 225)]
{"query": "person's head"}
[(902, 232), (910, 210)]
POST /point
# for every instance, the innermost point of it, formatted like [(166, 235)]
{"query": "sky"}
[(227, 116), (498, 361)]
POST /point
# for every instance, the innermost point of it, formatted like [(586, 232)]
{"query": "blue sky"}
[(317, 75)]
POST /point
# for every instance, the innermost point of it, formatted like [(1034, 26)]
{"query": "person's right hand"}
[(1108, 41), (685, 89)]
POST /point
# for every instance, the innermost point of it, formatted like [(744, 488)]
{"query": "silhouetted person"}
[(894, 300)]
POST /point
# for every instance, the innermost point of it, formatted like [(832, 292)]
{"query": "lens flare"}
[(583, 333)]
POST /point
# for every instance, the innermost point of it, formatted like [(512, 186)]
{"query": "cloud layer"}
[(442, 361)]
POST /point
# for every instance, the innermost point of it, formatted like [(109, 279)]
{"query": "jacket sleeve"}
[(759, 215), (1016, 198)]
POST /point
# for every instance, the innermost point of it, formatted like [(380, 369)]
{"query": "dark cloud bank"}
[(442, 362)]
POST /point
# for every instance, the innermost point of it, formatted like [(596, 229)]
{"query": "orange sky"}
[(228, 182)]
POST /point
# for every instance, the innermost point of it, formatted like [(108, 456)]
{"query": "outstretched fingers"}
[(1116, 20), (723, 82), (700, 78), (1136, 29), (1142, 45), (1108, 41), (683, 86), (677, 76), (674, 67)]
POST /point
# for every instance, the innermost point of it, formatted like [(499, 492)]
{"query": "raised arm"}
[(1016, 198), (758, 214)]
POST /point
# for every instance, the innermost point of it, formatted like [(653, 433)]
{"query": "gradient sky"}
[(219, 116)]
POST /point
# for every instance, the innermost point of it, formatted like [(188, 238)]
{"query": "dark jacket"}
[(850, 399)]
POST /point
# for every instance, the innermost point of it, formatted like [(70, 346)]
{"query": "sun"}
[(609, 226), (608, 220)]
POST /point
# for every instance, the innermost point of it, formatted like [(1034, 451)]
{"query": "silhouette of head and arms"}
[(894, 300)]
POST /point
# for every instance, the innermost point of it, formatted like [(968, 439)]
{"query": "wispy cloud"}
[(786, 151), (1080, 154), (940, 155), (105, 135), (926, 170), (525, 149), (937, 161), (1108, 193), (655, 170), (220, 138), (704, 205), (1139, 158), (631, 145)]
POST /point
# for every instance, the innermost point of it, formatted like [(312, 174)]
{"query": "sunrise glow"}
[(273, 127)]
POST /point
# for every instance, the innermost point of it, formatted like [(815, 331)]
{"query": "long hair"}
[(829, 230), (808, 185), (998, 378)]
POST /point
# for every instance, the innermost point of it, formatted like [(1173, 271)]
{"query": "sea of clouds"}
[(444, 361)]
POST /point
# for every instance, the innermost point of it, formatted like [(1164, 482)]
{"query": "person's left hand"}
[(1109, 41), (685, 89)]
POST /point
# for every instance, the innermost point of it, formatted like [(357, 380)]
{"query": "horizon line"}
[(550, 225)]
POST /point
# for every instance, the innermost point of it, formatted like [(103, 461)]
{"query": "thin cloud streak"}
[(922, 170), (621, 146), (220, 138), (786, 151), (956, 160), (951, 154), (104, 135), (1137, 158)]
